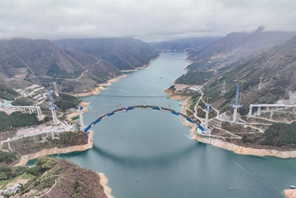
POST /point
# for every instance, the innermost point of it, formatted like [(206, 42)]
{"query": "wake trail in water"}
[(247, 171), (250, 190), (291, 169), (188, 136)]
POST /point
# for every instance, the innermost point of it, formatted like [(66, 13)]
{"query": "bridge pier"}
[(79, 109), (207, 107), (250, 110), (269, 108), (259, 111)]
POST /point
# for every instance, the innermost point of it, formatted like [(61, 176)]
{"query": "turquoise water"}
[(148, 153)]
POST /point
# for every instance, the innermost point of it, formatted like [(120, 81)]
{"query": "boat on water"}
[(292, 186)]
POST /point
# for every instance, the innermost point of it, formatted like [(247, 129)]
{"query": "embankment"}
[(174, 96), (290, 193), (229, 146), (104, 183), (25, 158), (243, 150)]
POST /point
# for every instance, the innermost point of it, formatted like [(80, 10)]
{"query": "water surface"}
[(148, 153)]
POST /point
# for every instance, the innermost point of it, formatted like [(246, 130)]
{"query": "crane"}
[(79, 108), (207, 108)]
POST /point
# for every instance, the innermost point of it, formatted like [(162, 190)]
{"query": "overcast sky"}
[(148, 20)]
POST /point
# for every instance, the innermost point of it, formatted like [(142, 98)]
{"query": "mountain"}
[(51, 177), (124, 53), (41, 62), (222, 54), (187, 44), (277, 66), (234, 46)]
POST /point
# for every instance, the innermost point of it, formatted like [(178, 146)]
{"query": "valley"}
[(261, 80)]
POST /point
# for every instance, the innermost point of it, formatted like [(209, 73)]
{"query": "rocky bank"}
[(25, 158)]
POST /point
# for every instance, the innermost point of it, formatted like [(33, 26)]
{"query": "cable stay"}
[(125, 96)]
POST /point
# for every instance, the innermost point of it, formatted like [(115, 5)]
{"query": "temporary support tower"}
[(236, 104), (53, 108), (207, 107), (79, 109)]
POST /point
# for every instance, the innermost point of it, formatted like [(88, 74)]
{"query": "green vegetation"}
[(7, 158), (8, 173), (66, 101), (195, 77), (71, 180), (7, 93), (280, 134), (98, 79), (21, 102), (17, 119), (15, 61), (34, 144)]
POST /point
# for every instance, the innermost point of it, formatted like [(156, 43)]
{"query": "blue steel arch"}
[(125, 109)]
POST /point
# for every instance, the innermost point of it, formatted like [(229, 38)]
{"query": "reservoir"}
[(149, 153)]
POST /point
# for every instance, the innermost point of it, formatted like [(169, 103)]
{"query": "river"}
[(148, 153)]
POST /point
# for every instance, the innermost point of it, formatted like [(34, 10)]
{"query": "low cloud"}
[(147, 20)]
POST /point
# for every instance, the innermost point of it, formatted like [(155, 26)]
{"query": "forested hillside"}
[(42, 62), (229, 51), (235, 46), (277, 66), (6, 92), (58, 177), (124, 53)]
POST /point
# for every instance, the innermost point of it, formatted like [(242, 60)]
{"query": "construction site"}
[(40, 96)]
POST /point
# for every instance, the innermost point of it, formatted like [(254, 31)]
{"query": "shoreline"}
[(241, 150), (104, 183), (142, 67), (100, 87), (187, 58), (175, 96), (55, 150), (290, 193), (79, 148)]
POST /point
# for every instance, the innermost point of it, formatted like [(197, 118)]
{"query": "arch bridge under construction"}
[(126, 109)]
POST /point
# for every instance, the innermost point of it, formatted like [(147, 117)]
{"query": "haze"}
[(151, 20)]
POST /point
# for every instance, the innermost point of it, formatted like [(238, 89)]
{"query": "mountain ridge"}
[(40, 61), (235, 46), (125, 53), (276, 66)]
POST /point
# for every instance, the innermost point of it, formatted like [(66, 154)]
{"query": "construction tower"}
[(79, 109), (207, 107), (53, 108), (236, 104), (55, 88)]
